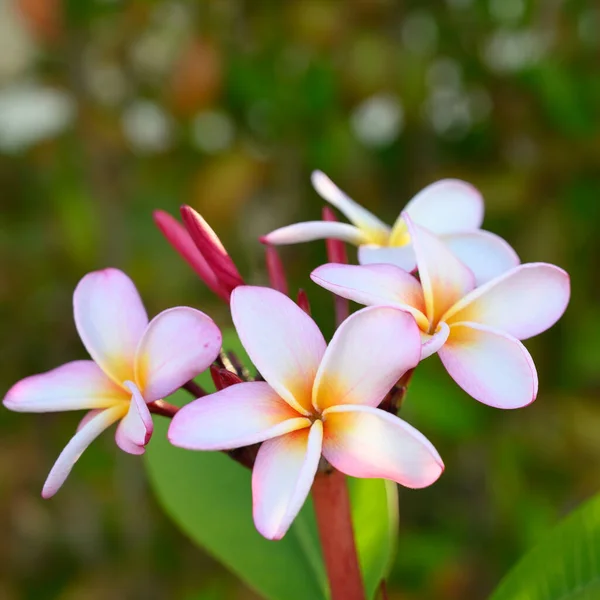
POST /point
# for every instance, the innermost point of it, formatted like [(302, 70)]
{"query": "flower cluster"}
[(433, 283)]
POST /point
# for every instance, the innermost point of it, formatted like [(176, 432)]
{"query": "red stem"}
[(336, 253), (276, 270), (332, 508), (160, 407)]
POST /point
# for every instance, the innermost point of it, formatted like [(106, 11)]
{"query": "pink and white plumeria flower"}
[(476, 331), (135, 362), (450, 208), (316, 400)]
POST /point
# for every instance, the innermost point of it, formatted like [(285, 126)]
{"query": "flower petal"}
[(444, 278), (136, 427), (523, 302), (78, 443), (178, 236), (363, 441), (485, 253), (432, 343), (374, 285), (237, 416), (282, 341), (490, 365), (376, 231), (178, 344), (368, 354), (447, 206), (315, 230), (283, 474), (110, 319), (401, 256), (72, 386)]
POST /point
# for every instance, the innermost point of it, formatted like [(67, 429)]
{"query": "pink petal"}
[(485, 253), (110, 319), (282, 477), (178, 344), (315, 230), (239, 415), (283, 342), (136, 427), (363, 441), (78, 443), (376, 231), (432, 343), (73, 386), (368, 354), (523, 302), (444, 278), (490, 365), (374, 285), (447, 206), (212, 249), (400, 256), (178, 236)]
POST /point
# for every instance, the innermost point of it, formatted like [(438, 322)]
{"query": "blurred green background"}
[(110, 109)]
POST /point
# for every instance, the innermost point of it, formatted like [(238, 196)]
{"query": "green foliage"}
[(565, 565), (208, 495)]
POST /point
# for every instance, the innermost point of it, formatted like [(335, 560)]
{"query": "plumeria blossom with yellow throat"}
[(475, 330), (316, 400), (450, 208), (135, 362)]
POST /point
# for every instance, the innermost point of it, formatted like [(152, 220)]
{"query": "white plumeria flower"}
[(135, 362), (450, 208), (475, 331), (316, 400)]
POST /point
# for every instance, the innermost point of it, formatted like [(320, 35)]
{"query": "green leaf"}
[(375, 520), (565, 565), (208, 496)]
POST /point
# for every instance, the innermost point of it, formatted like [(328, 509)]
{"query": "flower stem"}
[(193, 388), (332, 508), (160, 407)]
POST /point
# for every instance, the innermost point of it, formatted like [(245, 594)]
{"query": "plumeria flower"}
[(475, 331), (134, 363), (315, 400), (450, 208)]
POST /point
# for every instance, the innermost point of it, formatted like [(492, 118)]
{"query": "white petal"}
[(237, 416), (363, 441), (490, 365), (400, 256), (368, 354), (178, 344), (447, 206), (376, 231), (485, 253), (283, 342), (374, 285), (444, 279), (136, 427), (72, 386), (78, 443), (523, 302), (282, 477), (315, 230), (110, 319)]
